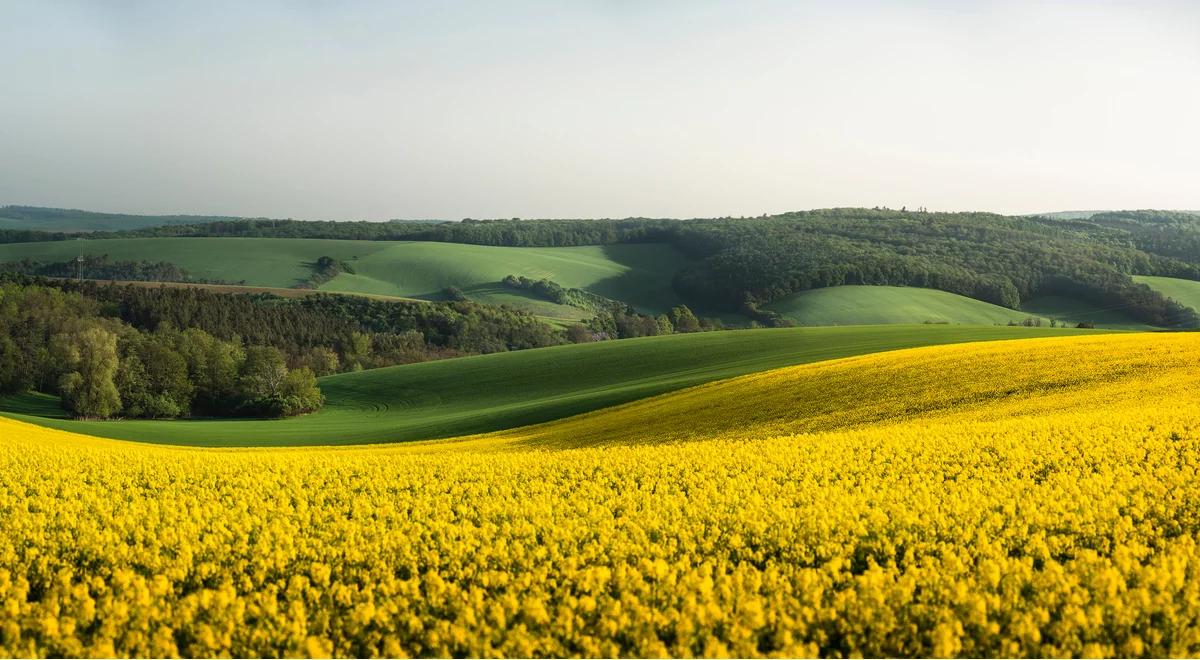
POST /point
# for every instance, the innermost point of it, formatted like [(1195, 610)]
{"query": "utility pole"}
[(79, 260)]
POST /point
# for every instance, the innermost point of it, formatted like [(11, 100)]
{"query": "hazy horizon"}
[(186, 214), (598, 109)]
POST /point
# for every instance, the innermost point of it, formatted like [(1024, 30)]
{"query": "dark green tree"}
[(88, 388)]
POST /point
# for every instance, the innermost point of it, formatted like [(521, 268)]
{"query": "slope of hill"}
[(871, 305), (277, 262), (1072, 311), (731, 261), (1012, 499), (505, 390), (975, 382), (38, 218), (1184, 292), (1067, 215), (639, 274), (993, 258)]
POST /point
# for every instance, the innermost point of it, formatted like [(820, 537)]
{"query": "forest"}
[(363, 332), (992, 258), (111, 349), (739, 264), (62, 343), (122, 350)]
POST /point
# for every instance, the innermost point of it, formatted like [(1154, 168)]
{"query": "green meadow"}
[(639, 274), (1072, 311), (859, 305), (505, 390), (855, 305), (1184, 292)]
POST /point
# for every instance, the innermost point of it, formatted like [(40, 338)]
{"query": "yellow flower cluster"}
[(1062, 518)]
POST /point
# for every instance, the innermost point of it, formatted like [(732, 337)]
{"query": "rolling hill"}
[(1072, 311), (991, 499), (39, 218), (1184, 292), (968, 383), (870, 305), (997, 259), (793, 263), (505, 390), (275, 262), (639, 274), (857, 305)]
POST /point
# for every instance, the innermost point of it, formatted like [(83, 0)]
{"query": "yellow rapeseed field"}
[(1020, 498)]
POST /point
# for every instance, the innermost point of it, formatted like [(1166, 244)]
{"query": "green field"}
[(1072, 311), (273, 262), (861, 305), (69, 220), (1184, 292), (639, 274), (506, 390)]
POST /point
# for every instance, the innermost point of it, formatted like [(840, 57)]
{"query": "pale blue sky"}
[(597, 109)]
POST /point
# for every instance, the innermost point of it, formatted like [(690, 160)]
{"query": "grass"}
[(858, 305), (498, 294), (993, 499), (240, 288), (1184, 292), (506, 390), (853, 304), (266, 262), (1072, 311), (70, 220), (638, 274), (971, 383)]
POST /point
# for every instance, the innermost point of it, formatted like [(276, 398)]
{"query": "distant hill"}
[(639, 274), (74, 220), (721, 266), (1088, 215), (1068, 215), (38, 218), (862, 305)]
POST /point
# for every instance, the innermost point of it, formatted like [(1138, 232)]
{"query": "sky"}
[(617, 108)]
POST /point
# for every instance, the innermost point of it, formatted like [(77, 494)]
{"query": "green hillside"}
[(74, 220), (1003, 260), (273, 262), (639, 274), (871, 305), (505, 390), (1071, 311), (1184, 292)]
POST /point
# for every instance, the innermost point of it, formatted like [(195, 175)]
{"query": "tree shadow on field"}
[(647, 281)]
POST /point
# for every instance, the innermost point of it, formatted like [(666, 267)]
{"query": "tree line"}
[(59, 342), (100, 267), (121, 350), (993, 258), (359, 332)]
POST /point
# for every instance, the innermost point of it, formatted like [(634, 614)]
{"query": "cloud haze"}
[(597, 109)]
